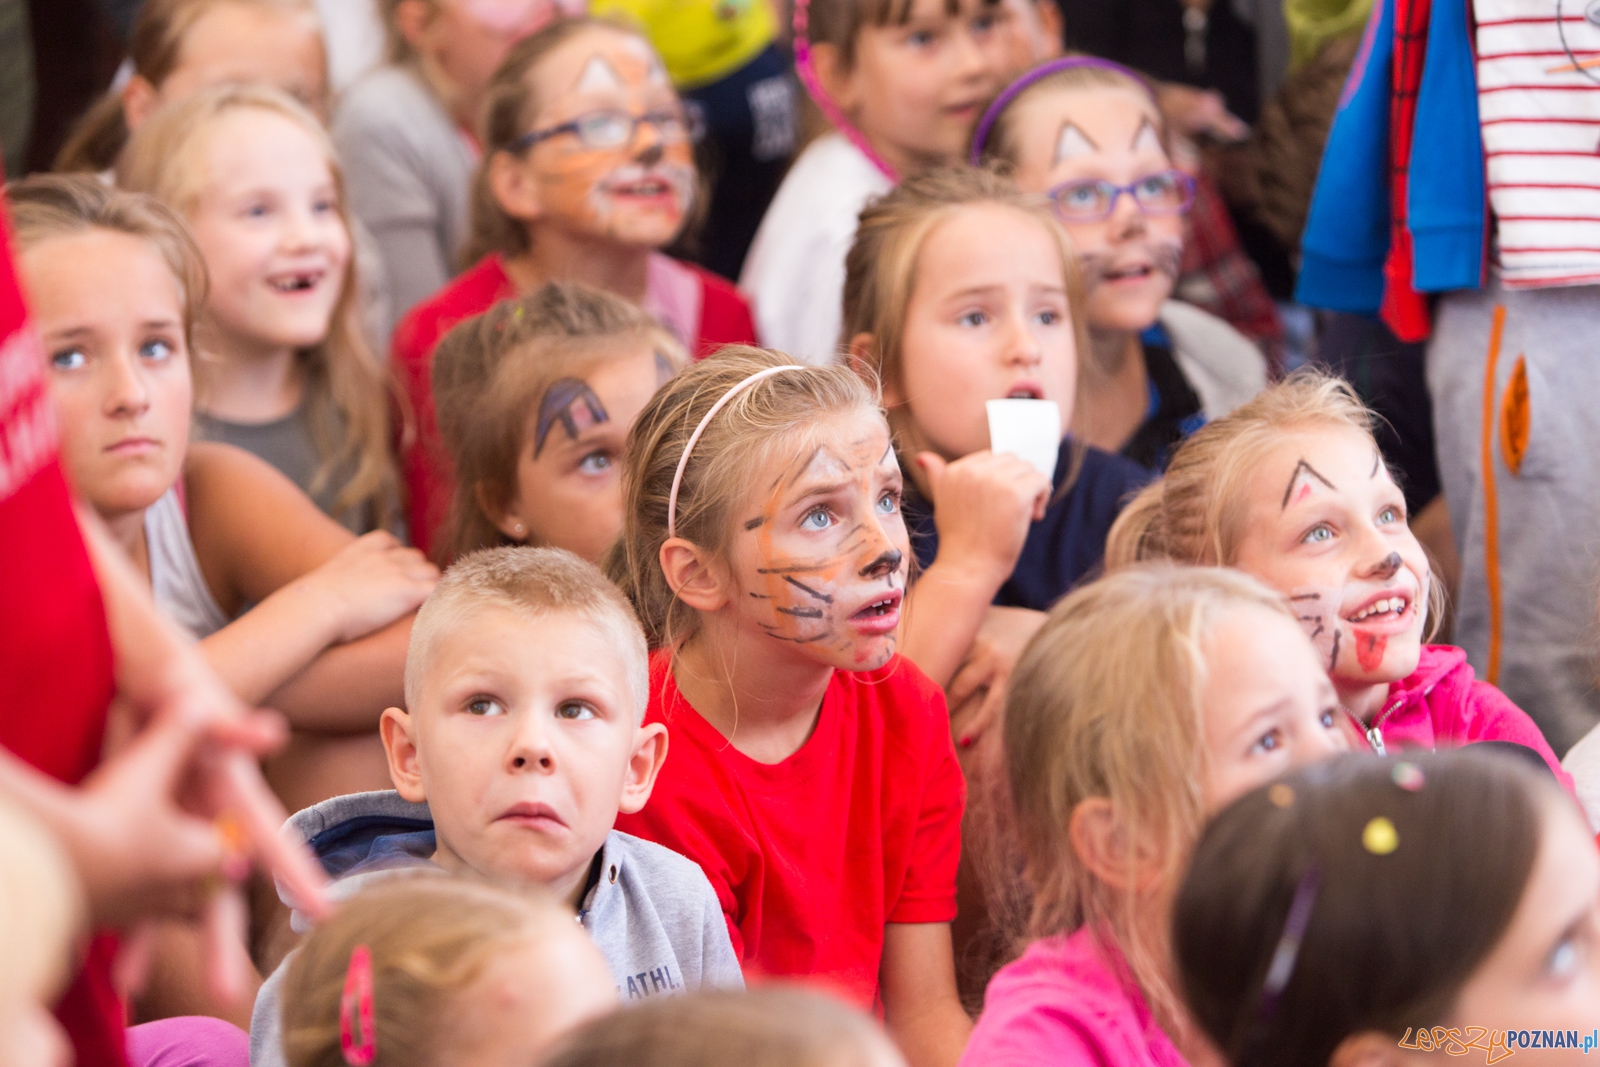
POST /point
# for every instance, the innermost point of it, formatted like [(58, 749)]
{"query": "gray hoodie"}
[(651, 912)]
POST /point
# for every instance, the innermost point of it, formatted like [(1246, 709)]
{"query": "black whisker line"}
[(804, 588), (802, 613)]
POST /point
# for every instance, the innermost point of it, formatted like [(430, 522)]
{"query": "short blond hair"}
[(1106, 702), (536, 582), (430, 936)]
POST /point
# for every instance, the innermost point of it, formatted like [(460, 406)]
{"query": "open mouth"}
[(297, 281), (648, 186), (1132, 271), (1385, 608), (879, 608), (1026, 391)]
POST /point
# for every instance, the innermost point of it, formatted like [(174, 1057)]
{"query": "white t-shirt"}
[(794, 275)]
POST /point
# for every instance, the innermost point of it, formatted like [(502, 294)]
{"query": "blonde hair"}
[(762, 421), (430, 937), (48, 206), (491, 370), (774, 1026), (511, 104), (1003, 146), (155, 48), (348, 392), (881, 266), (1106, 702), (535, 582)]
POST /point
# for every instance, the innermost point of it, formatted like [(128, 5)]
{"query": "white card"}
[(1027, 428)]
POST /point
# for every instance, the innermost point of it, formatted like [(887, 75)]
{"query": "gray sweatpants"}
[(1548, 508)]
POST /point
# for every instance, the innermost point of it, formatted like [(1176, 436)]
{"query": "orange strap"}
[(1491, 503)]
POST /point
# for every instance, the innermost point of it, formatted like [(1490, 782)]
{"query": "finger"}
[(988, 712), (933, 464), (292, 865), (227, 962), (974, 674), (259, 731)]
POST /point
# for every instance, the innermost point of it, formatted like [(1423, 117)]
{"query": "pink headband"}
[(808, 77), (991, 115), (694, 438)]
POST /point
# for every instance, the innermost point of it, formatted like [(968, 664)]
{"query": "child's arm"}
[(978, 691), (327, 635), (921, 1007), (983, 504)]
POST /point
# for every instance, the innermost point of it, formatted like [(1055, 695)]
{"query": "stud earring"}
[(518, 528)]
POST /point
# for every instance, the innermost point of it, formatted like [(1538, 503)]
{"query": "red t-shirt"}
[(723, 319), (812, 856), (55, 651)]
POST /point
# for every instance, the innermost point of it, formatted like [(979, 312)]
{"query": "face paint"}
[(571, 401), (1098, 268), (1073, 142), (1300, 483), (1147, 140)]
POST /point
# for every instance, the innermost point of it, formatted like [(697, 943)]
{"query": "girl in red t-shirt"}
[(811, 773), (587, 172)]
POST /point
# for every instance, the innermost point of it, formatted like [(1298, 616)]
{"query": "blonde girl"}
[(1090, 135), (1291, 488), (535, 400), (587, 174), (116, 284), (425, 970), (812, 775), (178, 47), (1148, 700), (960, 290), (287, 369), (902, 82)]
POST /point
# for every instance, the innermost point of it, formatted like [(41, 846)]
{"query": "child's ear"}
[(140, 99), (412, 18), (1367, 1049), (1104, 846), (503, 515), (514, 186), (1051, 25), (835, 79), (649, 753), (400, 745), (696, 581), (862, 362)]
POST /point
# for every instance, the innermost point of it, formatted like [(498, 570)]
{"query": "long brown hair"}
[(755, 425), (1393, 933), (490, 370), (349, 393), (155, 47)]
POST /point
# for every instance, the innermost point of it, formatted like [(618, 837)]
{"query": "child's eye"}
[(257, 211), (1049, 317), (157, 350), (818, 518), (888, 503), (1329, 718), (1390, 514), (69, 359), (574, 710), (595, 463), (1318, 534), (1270, 741), (973, 318), (984, 23), (920, 38), (1564, 958), (485, 706), (323, 205)]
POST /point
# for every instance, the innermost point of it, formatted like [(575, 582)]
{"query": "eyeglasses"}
[(1167, 192), (609, 129)]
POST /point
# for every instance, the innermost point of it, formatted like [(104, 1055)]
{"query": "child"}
[(1292, 489), (116, 283), (570, 358), (426, 971), (773, 1027), (587, 172), (289, 373), (1368, 877), (812, 774), (1149, 699), (903, 84), (959, 290), (521, 742), (179, 47), (1085, 132)]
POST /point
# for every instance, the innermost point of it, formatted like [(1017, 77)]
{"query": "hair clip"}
[(1281, 966), (358, 1037), (1380, 837), (1281, 795), (1408, 776)]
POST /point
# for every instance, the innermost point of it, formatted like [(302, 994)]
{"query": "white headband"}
[(694, 438)]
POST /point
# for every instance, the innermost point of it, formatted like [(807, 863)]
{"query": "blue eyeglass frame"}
[(654, 118), (1185, 182)]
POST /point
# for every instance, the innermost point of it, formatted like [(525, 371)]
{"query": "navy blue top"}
[(1065, 545)]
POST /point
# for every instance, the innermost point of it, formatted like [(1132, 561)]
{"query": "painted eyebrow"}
[(1299, 468), (1144, 124)]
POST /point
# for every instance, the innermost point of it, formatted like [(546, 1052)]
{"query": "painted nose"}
[(887, 563), (1385, 568), (650, 156)]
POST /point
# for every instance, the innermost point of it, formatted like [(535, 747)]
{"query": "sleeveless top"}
[(180, 589)]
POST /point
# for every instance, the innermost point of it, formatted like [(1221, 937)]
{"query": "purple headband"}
[(808, 78), (980, 136)]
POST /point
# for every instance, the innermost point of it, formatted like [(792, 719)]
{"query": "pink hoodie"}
[(1443, 704)]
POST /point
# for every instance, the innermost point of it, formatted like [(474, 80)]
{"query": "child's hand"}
[(978, 691), (372, 582), (983, 504)]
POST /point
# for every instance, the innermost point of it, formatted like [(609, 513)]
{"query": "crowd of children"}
[(893, 573)]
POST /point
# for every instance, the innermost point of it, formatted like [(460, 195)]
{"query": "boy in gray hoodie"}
[(526, 684)]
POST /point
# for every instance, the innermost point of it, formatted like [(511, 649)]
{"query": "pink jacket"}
[(1443, 704)]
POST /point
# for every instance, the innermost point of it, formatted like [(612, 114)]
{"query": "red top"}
[(55, 651), (711, 315), (810, 857)]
